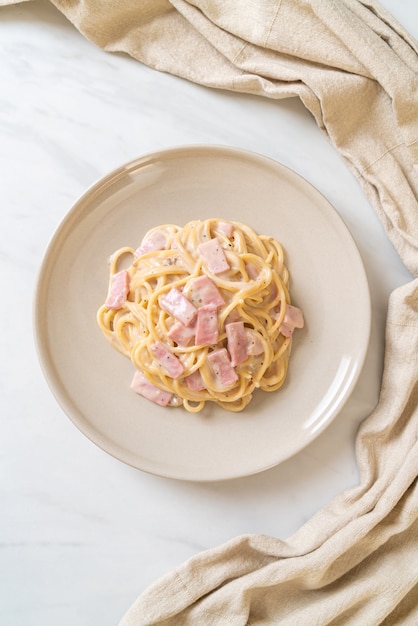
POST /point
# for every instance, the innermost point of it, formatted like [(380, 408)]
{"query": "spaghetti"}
[(203, 312)]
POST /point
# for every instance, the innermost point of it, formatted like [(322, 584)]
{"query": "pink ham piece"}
[(203, 292), (182, 335), (221, 368), (237, 342), (293, 318), (175, 303), (254, 343), (168, 361), (273, 293), (207, 326), (233, 316), (225, 228), (157, 240), (141, 385), (195, 381), (213, 256), (252, 271), (118, 291)]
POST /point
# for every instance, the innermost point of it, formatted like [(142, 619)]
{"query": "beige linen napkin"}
[(356, 69)]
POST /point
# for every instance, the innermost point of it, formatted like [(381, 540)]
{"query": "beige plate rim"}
[(91, 381)]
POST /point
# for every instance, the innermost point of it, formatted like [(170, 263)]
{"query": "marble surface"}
[(82, 534)]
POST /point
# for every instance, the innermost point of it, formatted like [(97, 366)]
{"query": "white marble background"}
[(81, 534)]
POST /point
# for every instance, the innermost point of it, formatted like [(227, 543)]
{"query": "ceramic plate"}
[(91, 380)]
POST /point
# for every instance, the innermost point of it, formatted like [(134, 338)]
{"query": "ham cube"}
[(168, 361), (118, 292), (182, 335), (225, 228), (195, 381), (293, 318), (207, 326), (220, 365), (156, 240), (213, 256), (175, 303), (202, 291), (141, 385), (237, 342), (252, 271), (233, 316), (254, 343)]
